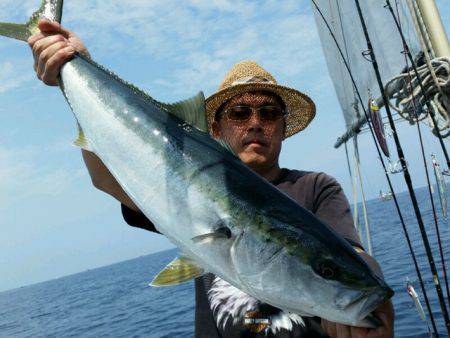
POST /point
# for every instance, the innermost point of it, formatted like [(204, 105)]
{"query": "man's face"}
[(257, 142)]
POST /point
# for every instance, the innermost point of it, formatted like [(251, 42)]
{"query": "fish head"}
[(308, 271), (354, 289)]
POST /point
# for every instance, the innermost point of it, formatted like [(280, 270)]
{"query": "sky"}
[(53, 221)]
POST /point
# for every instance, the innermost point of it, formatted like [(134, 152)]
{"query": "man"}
[(253, 114)]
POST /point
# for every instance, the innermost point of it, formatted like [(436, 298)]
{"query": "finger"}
[(40, 45), (46, 55), (54, 64), (331, 330), (48, 52), (359, 332), (41, 48), (326, 326), (54, 27), (386, 315), (35, 37), (383, 317), (343, 331)]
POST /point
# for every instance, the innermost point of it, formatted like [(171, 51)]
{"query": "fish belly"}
[(130, 136)]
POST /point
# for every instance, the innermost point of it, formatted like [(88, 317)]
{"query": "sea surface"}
[(116, 301)]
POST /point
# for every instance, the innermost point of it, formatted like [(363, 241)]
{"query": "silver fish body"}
[(189, 185)]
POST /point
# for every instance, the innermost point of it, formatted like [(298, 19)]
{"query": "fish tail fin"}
[(50, 9)]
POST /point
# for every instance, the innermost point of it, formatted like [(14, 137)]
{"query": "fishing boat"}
[(385, 196), (389, 61)]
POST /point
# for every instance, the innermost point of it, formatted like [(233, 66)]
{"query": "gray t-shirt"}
[(224, 311)]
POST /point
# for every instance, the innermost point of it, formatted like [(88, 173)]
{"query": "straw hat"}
[(248, 76)]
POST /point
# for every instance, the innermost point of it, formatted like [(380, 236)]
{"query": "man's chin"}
[(254, 160)]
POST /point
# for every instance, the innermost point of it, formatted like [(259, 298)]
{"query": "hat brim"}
[(300, 108)]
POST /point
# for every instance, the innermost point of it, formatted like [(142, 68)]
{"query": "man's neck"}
[(269, 174)]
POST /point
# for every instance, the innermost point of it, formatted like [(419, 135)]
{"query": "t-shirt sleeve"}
[(331, 206), (137, 219)]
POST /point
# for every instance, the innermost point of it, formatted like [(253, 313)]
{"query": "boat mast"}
[(433, 24)]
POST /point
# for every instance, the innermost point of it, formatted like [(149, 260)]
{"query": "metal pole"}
[(419, 26), (435, 28)]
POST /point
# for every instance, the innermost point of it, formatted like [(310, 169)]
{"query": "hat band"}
[(252, 79)]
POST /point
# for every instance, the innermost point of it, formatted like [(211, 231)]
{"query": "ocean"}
[(116, 301)]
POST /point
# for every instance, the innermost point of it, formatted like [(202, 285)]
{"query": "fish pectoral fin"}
[(191, 110), (82, 141), (219, 233), (178, 271)]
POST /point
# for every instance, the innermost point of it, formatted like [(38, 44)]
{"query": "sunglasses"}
[(243, 113)]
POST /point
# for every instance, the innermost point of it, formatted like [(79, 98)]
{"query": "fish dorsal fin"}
[(178, 271), (192, 111), (50, 9)]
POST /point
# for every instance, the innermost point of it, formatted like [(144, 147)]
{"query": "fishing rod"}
[(406, 50), (394, 197), (422, 89), (406, 173)]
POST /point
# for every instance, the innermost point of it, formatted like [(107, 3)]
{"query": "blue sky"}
[(53, 221)]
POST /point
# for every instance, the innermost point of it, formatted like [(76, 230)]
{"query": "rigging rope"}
[(406, 173), (402, 221), (405, 98), (422, 89)]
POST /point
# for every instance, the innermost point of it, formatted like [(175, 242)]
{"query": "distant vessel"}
[(385, 196)]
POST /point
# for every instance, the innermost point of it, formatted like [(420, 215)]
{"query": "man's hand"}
[(385, 312), (52, 47)]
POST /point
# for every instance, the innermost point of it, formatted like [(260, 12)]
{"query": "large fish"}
[(224, 218)]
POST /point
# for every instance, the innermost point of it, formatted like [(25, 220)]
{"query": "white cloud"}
[(9, 75), (17, 11), (199, 40), (31, 171), (202, 39)]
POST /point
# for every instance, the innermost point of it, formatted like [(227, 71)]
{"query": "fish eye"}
[(327, 269)]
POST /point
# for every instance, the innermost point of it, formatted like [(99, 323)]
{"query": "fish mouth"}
[(365, 304)]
